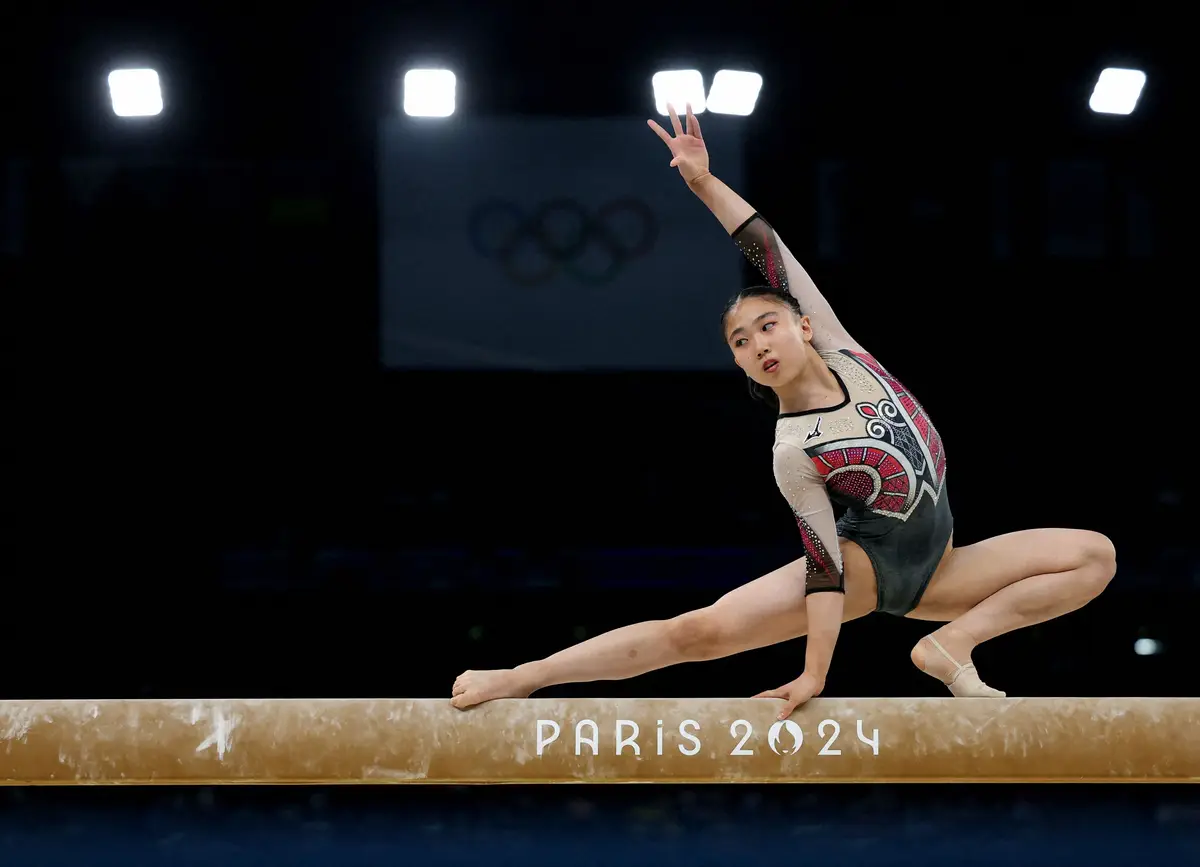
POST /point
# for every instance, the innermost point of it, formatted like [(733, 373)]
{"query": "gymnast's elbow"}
[(825, 588), (824, 603)]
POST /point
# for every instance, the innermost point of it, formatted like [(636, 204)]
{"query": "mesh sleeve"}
[(804, 490), (758, 242), (761, 244)]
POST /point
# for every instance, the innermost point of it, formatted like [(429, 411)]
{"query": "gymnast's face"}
[(768, 340)]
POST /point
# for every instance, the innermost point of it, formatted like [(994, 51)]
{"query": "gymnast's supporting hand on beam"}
[(847, 432)]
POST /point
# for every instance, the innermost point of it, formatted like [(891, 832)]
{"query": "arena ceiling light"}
[(135, 92), (1117, 91), (734, 92), (1147, 647), (429, 92), (678, 87)]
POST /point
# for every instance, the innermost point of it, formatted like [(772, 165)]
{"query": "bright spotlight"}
[(734, 92), (1147, 647), (429, 92), (1117, 91), (678, 87), (135, 92)]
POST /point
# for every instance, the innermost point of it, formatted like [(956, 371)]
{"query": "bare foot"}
[(946, 655), (476, 687)]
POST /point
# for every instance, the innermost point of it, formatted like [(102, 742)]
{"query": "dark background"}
[(213, 488)]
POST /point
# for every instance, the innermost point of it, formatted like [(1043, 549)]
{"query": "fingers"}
[(662, 133), (693, 125), (792, 702), (675, 125)]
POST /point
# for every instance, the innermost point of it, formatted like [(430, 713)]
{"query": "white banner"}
[(550, 245)]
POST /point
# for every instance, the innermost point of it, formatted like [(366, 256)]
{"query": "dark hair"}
[(787, 299)]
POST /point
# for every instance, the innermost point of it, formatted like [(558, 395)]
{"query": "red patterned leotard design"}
[(877, 452)]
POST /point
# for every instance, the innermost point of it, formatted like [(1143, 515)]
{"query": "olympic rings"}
[(561, 233)]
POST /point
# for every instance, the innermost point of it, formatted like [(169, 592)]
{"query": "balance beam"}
[(328, 741)]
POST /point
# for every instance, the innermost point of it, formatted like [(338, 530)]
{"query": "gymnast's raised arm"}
[(751, 232)]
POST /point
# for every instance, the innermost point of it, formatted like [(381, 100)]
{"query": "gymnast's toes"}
[(460, 682), (476, 687)]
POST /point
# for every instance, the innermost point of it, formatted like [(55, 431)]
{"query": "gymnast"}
[(847, 432)]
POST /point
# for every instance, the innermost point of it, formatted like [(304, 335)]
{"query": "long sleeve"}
[(804, 490), (760, 243)]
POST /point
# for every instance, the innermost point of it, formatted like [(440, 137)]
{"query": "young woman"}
[(847, 432)]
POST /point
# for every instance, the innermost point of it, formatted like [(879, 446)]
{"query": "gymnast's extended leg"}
[(1002, 584), (768, 610)]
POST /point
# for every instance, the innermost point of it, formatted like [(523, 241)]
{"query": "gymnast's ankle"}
[(954, 642), (946, 655), (530, 677)]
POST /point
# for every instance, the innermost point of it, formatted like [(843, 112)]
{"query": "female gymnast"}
[(847, 432)]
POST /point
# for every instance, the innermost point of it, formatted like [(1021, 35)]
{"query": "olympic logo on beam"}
[(562, 236)]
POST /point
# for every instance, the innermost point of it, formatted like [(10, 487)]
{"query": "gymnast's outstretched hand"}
[(688, 153), (795, 693)]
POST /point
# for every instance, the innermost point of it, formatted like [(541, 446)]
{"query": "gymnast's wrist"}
[(697, 184), (816, 677)]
